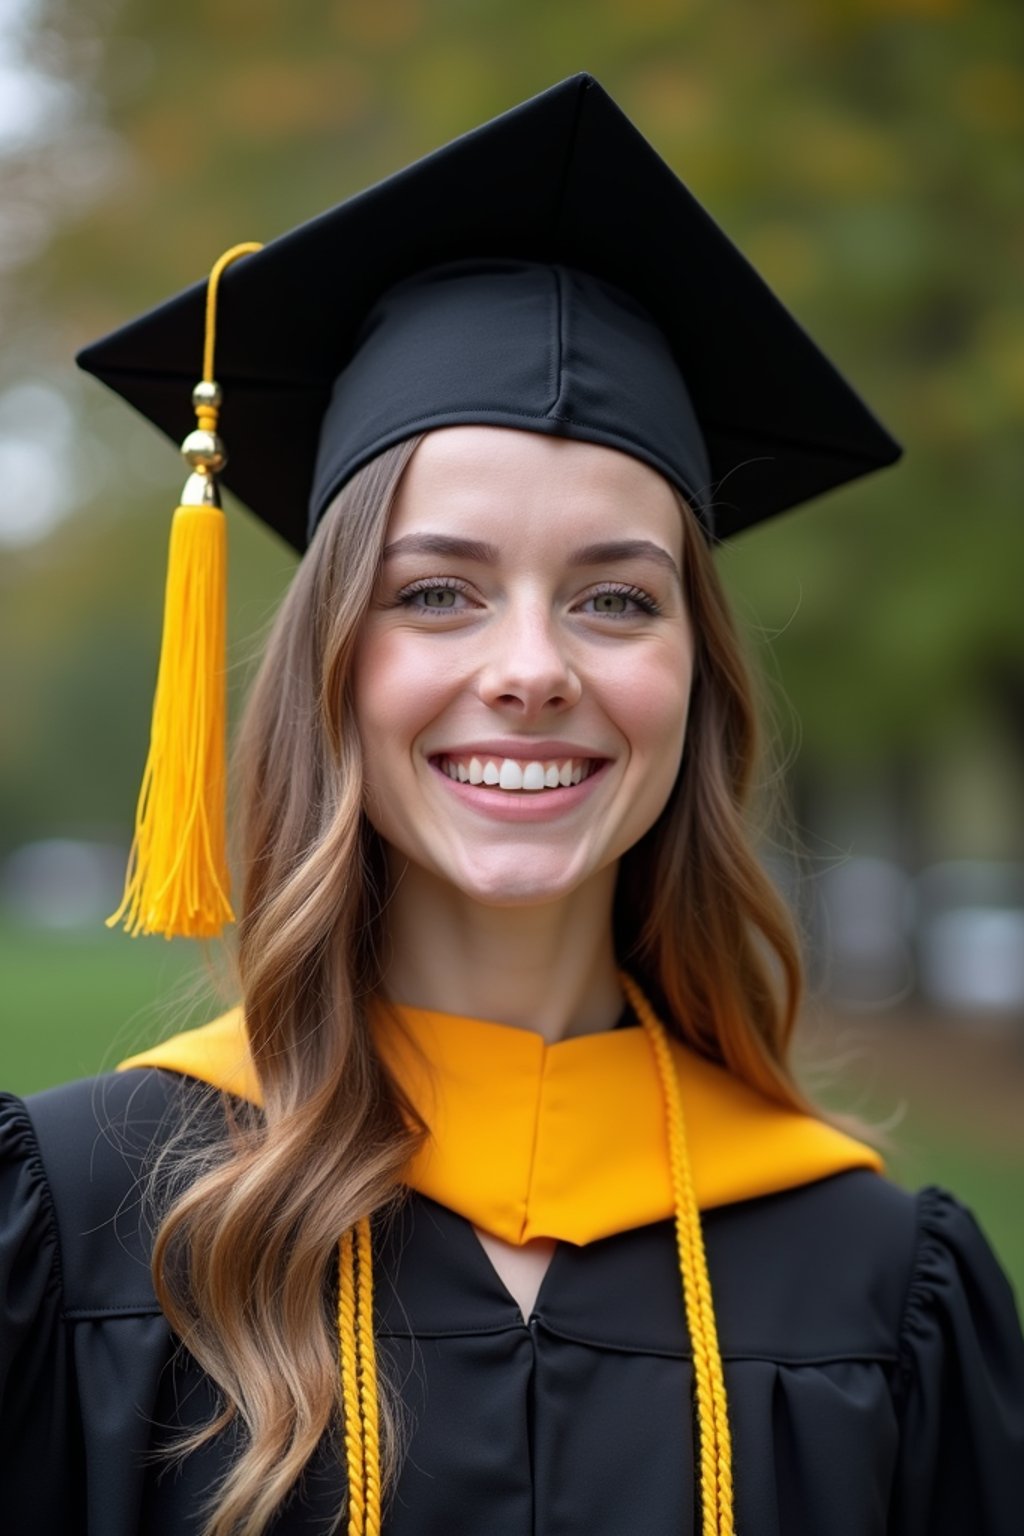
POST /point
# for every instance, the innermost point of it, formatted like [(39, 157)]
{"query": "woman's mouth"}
[(514, 775)]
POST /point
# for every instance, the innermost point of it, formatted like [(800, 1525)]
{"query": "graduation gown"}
[(872, 1354)]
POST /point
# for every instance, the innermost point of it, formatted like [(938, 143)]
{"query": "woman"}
[(516, 998)]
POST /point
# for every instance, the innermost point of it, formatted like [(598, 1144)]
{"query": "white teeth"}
[(510, 774)]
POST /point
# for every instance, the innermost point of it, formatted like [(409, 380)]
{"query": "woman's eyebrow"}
[(443, 544), (625, 549)]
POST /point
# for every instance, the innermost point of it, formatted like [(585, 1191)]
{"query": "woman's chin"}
[(523, 881)]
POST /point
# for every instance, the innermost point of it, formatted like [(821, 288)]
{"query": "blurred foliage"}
[(866, 154)]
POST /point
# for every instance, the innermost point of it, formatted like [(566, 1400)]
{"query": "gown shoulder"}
[(959, 1391), (907, 1283), (82, 1339)]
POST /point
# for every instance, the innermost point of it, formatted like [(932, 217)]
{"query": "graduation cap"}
[(546, 271)]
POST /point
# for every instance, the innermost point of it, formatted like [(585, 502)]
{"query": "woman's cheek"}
[(653, 703), (396, 679)]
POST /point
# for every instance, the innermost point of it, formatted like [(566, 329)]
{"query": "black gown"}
[(872, 1355)]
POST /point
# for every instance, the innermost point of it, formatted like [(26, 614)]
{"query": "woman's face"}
[(522, 678)]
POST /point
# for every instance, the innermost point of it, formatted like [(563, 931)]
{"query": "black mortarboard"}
[(547, 271)]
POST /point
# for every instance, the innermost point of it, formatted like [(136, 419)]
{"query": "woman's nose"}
[(527, 667)]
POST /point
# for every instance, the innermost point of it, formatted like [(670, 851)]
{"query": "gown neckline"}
[(565, 1141)]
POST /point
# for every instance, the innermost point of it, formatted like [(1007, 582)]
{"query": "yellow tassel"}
[(177, 880)]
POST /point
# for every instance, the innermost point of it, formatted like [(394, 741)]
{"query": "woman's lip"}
[(522, 750), (521, 805)]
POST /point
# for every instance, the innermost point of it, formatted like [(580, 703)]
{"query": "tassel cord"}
[(246, 248)]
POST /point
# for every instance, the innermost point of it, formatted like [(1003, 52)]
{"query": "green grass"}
[(76, 1004), (988, 1179)]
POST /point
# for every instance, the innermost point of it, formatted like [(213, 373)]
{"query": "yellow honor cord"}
[(357, 1358), (177, 880), (712, 1407), (358, 1366), (368, 1380)]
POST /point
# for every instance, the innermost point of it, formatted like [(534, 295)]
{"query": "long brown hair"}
[(245, 1253)]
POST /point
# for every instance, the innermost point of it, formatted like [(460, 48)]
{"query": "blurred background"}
[(868, 155)]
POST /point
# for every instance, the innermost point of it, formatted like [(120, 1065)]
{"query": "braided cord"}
[(368, 1380), (349, 1365), (358, 1364), (712, 1407)]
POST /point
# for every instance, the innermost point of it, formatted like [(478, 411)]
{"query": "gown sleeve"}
[(960, 1392), (37, 1451)]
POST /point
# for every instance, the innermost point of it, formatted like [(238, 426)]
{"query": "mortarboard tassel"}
[(177, 881)]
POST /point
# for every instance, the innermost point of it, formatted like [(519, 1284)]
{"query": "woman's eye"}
[(610, 602), (620, 602), (433, 597)]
